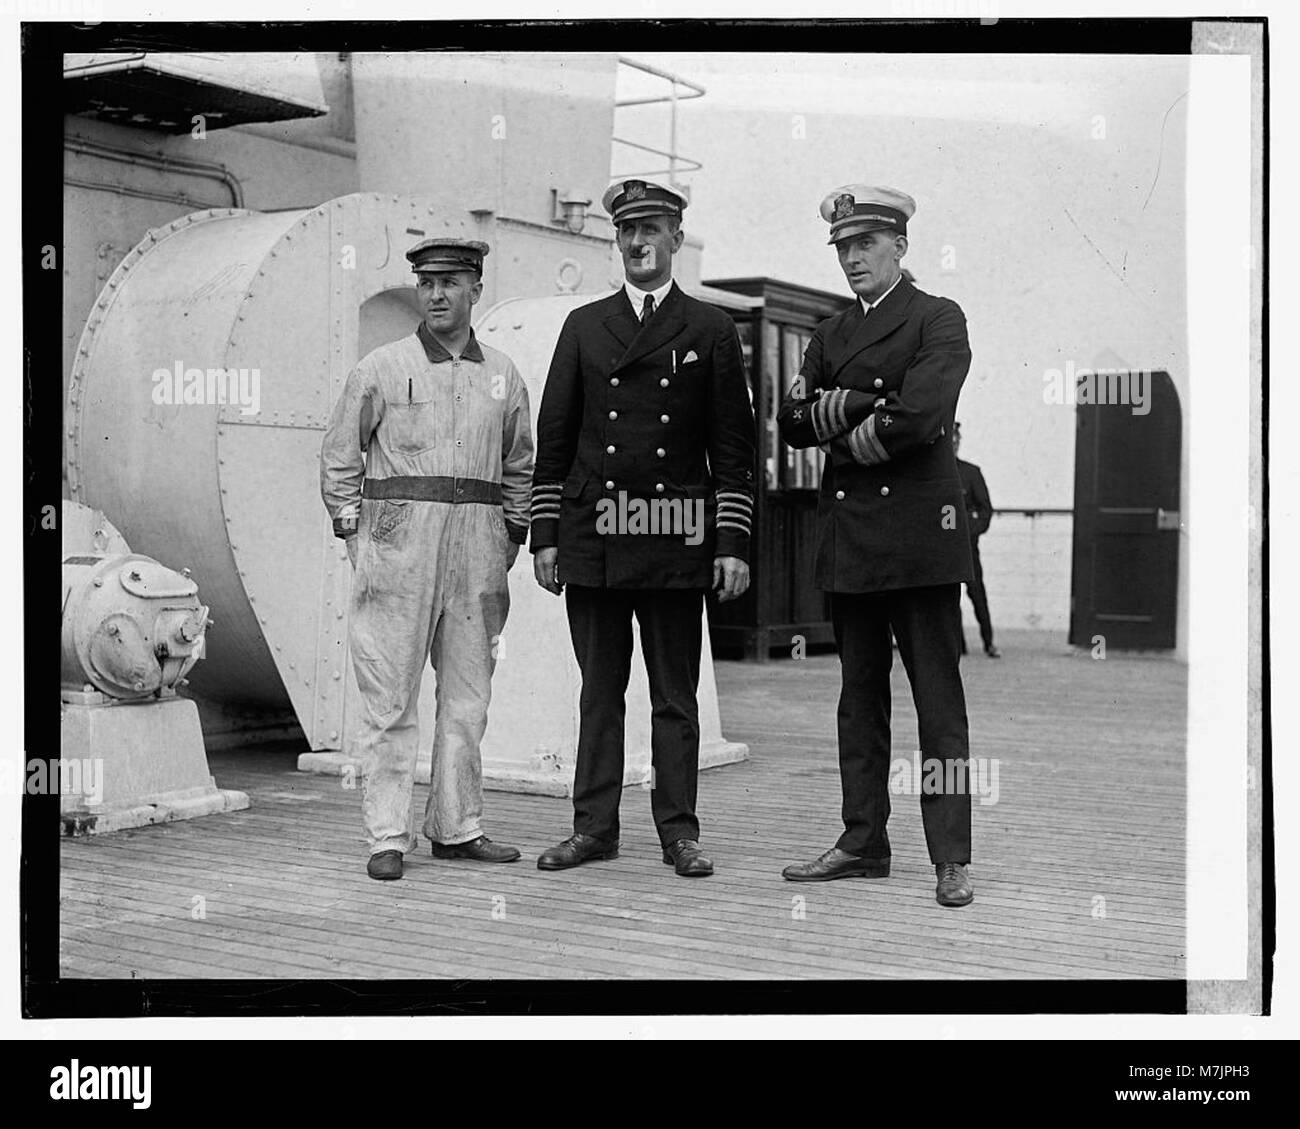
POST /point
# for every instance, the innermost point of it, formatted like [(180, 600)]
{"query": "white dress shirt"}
[(637, 296), (867, 307)]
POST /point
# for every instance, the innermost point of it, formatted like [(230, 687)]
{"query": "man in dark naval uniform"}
[(877, 392), (642, 500), (979, 513)]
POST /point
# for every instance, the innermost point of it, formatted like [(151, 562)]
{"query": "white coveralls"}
[(435, 454)]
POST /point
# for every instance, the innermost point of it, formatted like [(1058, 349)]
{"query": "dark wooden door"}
[(1124, 584)]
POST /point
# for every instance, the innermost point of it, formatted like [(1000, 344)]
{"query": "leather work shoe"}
[(385, 865), (481, 849), (685, 856), (574, 851), (954, 888), (837, 864)]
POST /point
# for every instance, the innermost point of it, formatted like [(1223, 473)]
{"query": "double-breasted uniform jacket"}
[(878, 394), (634, 415)]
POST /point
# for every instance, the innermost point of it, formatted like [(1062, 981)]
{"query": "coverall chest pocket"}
[(411, 426)]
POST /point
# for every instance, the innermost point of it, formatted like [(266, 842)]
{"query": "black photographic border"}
[(44, 994)]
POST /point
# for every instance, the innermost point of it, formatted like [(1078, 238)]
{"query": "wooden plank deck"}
[(1089, 819)]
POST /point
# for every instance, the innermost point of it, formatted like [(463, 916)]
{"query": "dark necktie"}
[(647, 308)]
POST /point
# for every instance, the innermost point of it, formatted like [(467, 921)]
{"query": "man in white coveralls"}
[(426, 470)]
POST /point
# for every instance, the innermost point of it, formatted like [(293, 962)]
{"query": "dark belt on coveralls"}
[(433, 488)]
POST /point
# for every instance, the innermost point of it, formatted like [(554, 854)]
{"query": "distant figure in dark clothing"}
[(979, 512)]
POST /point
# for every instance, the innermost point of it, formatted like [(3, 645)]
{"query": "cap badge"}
[(844, 206), (634, 190)]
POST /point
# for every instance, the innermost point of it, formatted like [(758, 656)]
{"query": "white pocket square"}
[(690, 356)]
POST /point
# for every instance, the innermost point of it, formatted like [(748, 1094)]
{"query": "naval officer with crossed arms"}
[(877, 393)]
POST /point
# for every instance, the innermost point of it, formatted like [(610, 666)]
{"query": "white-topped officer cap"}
[(855, 209), (637, 197)]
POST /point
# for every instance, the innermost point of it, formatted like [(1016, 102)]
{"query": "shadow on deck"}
[(1078, 866)]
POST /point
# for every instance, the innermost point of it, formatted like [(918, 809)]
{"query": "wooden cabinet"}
[(782, 606)]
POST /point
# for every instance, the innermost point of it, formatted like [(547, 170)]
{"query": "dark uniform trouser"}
[(978, 597), (927, 625), (600, 624)]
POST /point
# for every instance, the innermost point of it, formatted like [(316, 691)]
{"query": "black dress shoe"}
[(385, 865), (685, 856), (837, 864), (481, 849), (574, 851), (992, 652), (954, 888)]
